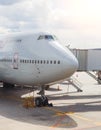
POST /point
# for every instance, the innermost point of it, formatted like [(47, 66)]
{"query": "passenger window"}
[(51, 62), (18, 40), (14, 60), (58, 62), (38, 61), (54, 62), (41, 61)]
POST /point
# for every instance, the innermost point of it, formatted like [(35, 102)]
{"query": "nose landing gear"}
[(43, 100)]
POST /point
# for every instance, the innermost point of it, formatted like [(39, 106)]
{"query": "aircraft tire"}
[(38, 102), (45, 102)]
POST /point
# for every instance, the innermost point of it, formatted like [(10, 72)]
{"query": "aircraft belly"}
[(33, 74)]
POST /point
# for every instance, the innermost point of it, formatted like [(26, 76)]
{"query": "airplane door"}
[(15, 61)]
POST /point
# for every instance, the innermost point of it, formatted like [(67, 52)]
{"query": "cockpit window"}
[(41, 37), (47, 37), (55, 37)]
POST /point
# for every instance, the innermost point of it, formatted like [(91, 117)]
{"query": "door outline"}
[(15, 61)]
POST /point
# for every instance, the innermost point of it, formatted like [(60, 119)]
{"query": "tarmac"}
[(72, 110)]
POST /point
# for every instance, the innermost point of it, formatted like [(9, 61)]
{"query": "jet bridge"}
[(89, 60)]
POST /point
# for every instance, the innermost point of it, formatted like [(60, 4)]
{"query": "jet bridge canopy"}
[(89, 59)]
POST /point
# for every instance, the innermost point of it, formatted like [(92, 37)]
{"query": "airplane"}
[(35, 59)]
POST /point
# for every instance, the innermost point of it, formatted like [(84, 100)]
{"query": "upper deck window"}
[(47, 37)]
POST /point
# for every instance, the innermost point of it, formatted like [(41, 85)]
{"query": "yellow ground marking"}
[(81, 117), (58, 113), (64, 114), (87, 119)]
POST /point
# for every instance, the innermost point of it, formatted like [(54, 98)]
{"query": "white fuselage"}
[(27, 59)]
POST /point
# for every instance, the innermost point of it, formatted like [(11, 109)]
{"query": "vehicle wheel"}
[(38, 102)]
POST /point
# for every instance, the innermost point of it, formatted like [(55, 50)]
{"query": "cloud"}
[(9, 2), (30, 14), (74, 21)]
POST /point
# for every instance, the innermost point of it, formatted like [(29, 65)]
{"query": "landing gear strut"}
[(43, 100)]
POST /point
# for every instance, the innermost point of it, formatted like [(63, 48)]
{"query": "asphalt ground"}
[(72, 110)]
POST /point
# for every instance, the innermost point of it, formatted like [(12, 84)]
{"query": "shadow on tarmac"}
[(12, 109), (85, 104)]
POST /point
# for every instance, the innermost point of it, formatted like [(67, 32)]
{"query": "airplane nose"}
[(71, 65)]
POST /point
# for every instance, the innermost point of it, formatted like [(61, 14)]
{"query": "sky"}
[(75, 22)]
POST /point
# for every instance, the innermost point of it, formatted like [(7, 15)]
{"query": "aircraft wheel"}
[(45, 101), (38, 102)]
